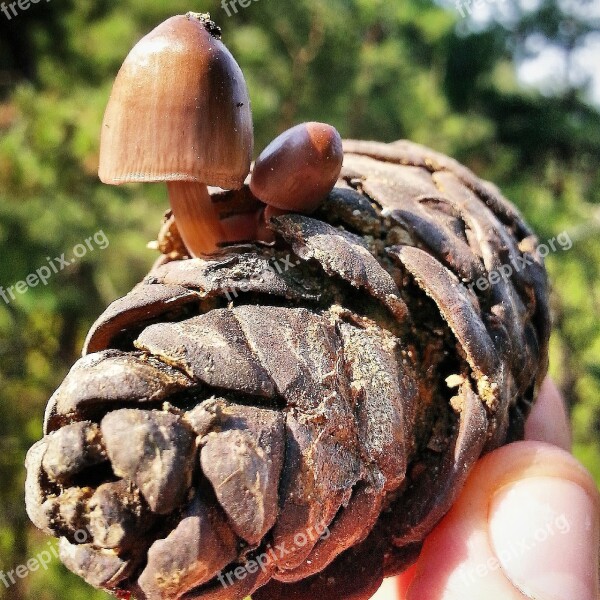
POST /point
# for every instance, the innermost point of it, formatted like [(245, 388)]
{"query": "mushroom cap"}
[(179, 110), (297, 170)]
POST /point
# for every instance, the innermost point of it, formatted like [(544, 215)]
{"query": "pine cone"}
[(292, 420)]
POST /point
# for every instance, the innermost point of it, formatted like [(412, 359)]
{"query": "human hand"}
[(525, 526)]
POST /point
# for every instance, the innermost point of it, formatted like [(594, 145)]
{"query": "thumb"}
[(525, 526), (548, 421)]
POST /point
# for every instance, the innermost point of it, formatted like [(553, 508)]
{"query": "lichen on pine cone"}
[(291, 420)]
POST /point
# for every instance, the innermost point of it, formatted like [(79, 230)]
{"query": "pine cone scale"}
[(112, 377), (158, 458), (212, 349), (352, 261), (456, 306), (245, 481)]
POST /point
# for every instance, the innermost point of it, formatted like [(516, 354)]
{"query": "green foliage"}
[(373, 68)]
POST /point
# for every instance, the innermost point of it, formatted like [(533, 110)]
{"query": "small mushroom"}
[(179, 112), (297, 170)]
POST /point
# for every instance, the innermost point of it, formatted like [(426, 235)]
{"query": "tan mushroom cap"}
[(179, 110)]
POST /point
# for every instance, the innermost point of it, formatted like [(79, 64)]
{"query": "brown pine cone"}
[(292, 420)]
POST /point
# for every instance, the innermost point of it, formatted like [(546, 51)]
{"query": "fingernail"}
[(545, 533)]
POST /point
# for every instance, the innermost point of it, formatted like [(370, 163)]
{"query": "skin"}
[(496, 543)]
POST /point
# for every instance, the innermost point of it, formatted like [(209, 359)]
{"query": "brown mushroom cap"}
[(299, 168), (179, 110)]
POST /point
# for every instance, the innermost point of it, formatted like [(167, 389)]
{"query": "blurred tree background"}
[(376, 69)]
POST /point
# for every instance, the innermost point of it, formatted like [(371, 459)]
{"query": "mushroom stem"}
[(196, 217)]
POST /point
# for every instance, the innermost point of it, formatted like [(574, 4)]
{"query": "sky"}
[(546, 67), (549, 69)]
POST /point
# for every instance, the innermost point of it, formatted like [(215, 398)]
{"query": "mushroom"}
[(297, 170), (179, 112)]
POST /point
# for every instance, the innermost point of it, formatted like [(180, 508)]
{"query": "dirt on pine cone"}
[(292, 420)]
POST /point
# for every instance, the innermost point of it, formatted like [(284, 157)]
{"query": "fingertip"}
[(395, 588), (404, 581), (544, 532), (467, 556), (549, 421)]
